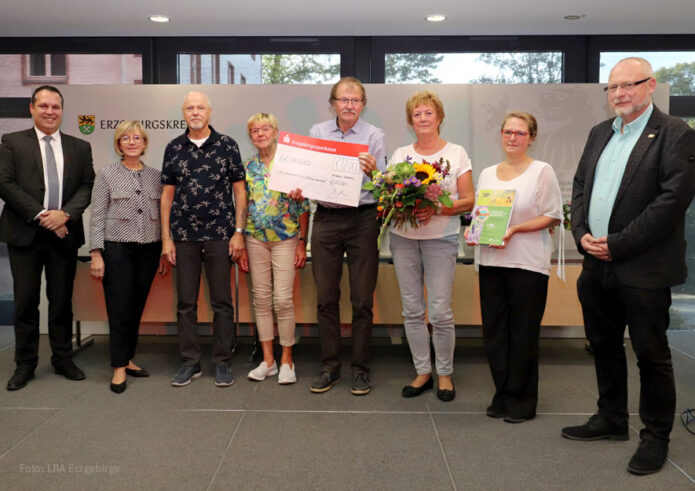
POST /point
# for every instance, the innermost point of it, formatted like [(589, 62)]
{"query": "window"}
[(259, 69), (498, 67), (676, 68), (230, 73), (20, 73), (45, 68)]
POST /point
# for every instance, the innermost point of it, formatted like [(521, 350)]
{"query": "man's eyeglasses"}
[(518, 134), (345, 101), (625, 85)]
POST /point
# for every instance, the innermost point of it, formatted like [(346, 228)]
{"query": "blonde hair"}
[(260, 118), (424, 97), (127, 127), (527, 118)]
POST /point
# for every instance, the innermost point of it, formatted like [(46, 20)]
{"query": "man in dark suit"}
[(46, 181), (633, 185)]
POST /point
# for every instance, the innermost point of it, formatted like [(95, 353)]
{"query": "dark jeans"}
[(190, 257), (608, 306), (512, 303), (27, 264), (129, 270), (336, 232)]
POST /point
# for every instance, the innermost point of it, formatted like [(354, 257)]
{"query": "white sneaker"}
[(262, 371), (287, 375)]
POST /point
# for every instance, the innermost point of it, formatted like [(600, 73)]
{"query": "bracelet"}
[(303, 238)]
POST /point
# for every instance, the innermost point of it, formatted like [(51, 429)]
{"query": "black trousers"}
[(336, 232), (190, 258), (46, 252), (608, 306), (129, 270), (512, 303)]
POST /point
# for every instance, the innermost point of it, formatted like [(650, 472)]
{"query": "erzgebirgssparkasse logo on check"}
[(86, 123)]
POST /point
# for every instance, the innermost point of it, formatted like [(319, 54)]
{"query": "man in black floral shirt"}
[(202, 169)]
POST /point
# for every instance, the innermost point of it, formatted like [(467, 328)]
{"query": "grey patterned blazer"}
[(125, 206)]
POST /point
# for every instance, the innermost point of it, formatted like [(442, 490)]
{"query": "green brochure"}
[(491, 215)]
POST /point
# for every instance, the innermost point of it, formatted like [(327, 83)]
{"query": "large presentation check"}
[(325, 170)]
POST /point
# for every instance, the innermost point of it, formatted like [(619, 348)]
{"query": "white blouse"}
[(537, 194), (439, 226)]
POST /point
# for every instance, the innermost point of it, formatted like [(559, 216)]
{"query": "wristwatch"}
[(302, 238), (240, 230)]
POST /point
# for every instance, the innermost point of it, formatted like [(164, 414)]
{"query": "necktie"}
[(52, 175)]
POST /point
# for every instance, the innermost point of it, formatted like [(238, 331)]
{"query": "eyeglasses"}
[(625, 85), (134, 138), (518, 134), (262, 129), (345, 101)]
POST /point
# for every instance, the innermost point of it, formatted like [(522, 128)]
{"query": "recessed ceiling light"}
[(574, 16), (436, 18), (159, 18)]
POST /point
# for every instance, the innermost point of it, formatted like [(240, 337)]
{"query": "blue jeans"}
[(429, 263)]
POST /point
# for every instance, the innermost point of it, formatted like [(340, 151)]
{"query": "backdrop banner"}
[(565, 114)]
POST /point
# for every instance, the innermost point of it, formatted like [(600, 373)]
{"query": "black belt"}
[(344, 210)]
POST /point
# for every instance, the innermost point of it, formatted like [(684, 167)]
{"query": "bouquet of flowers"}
[(405, 187)]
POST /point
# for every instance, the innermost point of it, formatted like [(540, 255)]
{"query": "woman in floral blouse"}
[(276, 229)]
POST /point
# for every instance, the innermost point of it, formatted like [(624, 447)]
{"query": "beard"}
[(627, 110), (197, 125)]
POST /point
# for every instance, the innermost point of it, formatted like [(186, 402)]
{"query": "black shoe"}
[(324, 382), (361, 385), (596, 428), (513, 419), (22, 375), (410, 391), (649, 457), (140, 372), (495, 411), (118, 388), (69, 370), (446, 395)]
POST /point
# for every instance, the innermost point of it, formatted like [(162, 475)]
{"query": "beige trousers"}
[(271, 265)]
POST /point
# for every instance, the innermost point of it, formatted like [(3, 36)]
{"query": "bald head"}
[(636, 63), (197, 97)]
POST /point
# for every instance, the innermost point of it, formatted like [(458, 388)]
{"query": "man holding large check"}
[(340, 229)]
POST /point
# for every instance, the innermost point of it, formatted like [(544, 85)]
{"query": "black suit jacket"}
[(646, 236), (22, 186)]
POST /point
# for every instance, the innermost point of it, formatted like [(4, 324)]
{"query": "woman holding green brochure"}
[(514, 275)]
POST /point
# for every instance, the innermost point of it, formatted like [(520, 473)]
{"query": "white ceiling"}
[(349, 18)]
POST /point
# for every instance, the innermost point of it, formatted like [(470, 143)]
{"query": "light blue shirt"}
[(363, 133), (610, 169)]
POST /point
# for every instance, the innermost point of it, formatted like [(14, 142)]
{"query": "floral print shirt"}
[(203, 207), (272, 216)]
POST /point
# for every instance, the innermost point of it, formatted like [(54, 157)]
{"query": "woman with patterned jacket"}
[(126, 244)]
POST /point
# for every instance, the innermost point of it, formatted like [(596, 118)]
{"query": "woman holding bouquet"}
[(514, 276), (276, 229), (424, 254)]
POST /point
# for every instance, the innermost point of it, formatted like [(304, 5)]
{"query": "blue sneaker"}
[(185, 374), (223, 376)]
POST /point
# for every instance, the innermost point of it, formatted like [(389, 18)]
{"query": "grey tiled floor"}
[(57, 434)]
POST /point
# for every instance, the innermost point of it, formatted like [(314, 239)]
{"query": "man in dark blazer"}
[(633, 185), (46, 181)]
